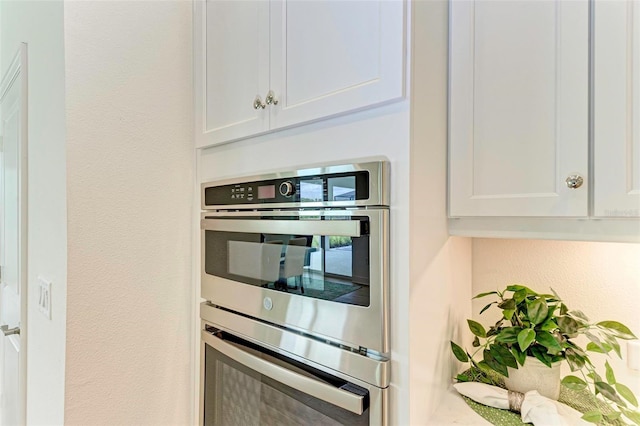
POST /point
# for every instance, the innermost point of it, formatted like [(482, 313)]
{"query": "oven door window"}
[(235, 395), (328, 267)]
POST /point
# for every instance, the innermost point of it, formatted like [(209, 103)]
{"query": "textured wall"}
[(600, 279), (130, 185), (440, 265), (40, 25)]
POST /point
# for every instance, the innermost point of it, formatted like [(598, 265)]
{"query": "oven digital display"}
[(266, 192)]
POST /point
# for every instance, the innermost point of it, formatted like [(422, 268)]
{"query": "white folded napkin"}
[(535, 408)]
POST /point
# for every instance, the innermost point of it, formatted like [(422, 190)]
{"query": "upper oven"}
[(306, 250)]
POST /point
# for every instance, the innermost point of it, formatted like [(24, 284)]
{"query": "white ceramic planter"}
[(534, 375)]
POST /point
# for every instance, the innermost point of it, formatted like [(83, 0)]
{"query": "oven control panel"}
[(293, 191)]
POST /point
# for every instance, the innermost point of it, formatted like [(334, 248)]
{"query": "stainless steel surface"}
[(332, 359), (378, 397), (354, 326), (257, 103), (271, 98), (349, 228), (378, 186), (312, 387), (9, 331), (574, 181)]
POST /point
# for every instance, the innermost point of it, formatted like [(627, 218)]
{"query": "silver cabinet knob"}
[(257, 103), (9, 331), (574, 181), (271, 98)]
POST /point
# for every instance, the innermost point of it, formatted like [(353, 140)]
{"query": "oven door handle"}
[(315, 388), (347, 228)]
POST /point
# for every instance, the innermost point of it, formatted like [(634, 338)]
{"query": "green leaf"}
[(594, 376), (608, 392), (613, 416), (549, 325), (503, 355), (573, 382), (611, 378), (602, 349), (526, 338), (579, 315), (494, 364), (575, 360), (541, 354), (476, 342), (519, 356), (459, 353), (619, 330), (485, 294), (596, 341), (508, 313), (486, 307), (518, 287), (547, 340), (567, 325), (563, 309), (614, 344), (483, 366), (463, 378), (626, 393), (476, 328), (634, 416), (555, 294), (520, 295), (508, 335), (507, 304), (537, 311), (592, 417)]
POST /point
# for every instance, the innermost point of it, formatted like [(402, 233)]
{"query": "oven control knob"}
[(287, 188), (267, 303)]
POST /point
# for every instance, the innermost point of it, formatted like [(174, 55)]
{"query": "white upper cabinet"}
[(261, 65), (518, 108), (617, 109)]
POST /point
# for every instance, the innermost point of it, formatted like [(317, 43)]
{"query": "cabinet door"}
[(329, 57), (518, 108), (617, 109), (231, 52)]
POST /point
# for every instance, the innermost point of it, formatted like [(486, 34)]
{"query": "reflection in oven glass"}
[(238, 396), (334, 268)]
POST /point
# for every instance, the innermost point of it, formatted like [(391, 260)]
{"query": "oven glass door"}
[(308, 256), (244, 384)]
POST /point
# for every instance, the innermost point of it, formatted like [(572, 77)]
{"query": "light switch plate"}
[(44, 297)]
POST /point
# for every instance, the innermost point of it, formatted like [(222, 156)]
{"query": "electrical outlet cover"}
[(44, 297)]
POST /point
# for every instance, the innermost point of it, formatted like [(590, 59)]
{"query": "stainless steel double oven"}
[(294, 269)]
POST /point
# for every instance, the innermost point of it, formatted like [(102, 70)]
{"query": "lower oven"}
[(281, 378)]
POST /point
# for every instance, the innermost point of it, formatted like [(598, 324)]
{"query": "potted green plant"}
[(540, 329)]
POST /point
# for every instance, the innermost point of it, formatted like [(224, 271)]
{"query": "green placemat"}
[(580, 400)]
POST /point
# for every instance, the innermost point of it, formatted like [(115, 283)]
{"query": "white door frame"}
[(17, 72)]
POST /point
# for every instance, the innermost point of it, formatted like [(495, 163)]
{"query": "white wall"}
[(440, 266), (130, 185), (600, 279), (40, 24)]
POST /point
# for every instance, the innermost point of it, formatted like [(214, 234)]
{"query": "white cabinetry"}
[(518, 108), (317, 59), (617, 109), (531, 106)]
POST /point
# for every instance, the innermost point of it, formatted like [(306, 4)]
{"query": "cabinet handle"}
[(271, 98), (574, 181), (257, 103)]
